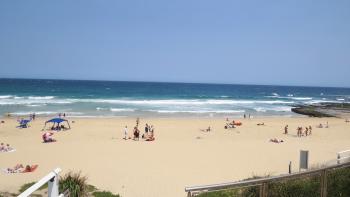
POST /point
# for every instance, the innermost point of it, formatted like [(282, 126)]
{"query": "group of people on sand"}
[(20, 168), (304, 132), (300, 131), (5, 148), (58, 127), (232, 124), (148, 135), (321, 125)]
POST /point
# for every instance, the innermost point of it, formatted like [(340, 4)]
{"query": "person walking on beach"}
[(306, 131), (299, 129), (286, 129), (244, 116), (126, 133), (310, 130)]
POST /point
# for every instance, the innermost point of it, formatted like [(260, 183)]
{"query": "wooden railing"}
[(262, 183)]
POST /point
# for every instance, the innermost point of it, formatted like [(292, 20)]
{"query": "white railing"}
[(52, 179), (343, 156)]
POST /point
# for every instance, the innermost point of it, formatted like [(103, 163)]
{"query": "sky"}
[(296, 42)]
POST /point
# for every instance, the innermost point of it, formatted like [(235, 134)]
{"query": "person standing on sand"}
[(146, 129), (244, 116), (137, 121), (126, 133), (286, 129), (310, 130), (306, 131)]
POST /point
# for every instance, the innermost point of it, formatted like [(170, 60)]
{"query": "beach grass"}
[(28, 185), (104, 194), (338, 182)]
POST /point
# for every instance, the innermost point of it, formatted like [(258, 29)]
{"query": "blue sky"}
[(247, 42)]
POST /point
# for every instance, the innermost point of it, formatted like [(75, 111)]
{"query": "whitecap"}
[(121, 110)]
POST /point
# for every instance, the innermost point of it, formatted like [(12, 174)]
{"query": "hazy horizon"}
[(179, 82)]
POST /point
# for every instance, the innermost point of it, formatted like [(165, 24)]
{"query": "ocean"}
[(78, 98)]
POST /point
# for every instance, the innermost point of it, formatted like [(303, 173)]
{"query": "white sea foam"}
[(301, 98), (121, 110), (41, 97), (23, 113), (181, 101), (273, 108), (5, 96), (199, 111), (260, 109), (33, 105)]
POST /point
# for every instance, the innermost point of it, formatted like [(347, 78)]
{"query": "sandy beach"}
[(181, 155)]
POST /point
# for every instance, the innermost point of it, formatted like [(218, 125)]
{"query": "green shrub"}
[(104, 194), (223, 193), (75, 183), (28, 185), (338, 182), (306, 186)]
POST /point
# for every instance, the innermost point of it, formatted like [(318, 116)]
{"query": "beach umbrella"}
[(56, 120)]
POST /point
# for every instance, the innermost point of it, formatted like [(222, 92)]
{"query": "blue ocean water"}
[(109, 98)]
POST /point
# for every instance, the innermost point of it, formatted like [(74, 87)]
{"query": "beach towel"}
[(21, 170), (8, 151), (6, 171), (32, 169)]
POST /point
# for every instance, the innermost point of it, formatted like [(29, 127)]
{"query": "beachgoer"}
[(64, 114), (327, 126), (286, 129), (347, 120), (137, 122), (17, 168), (206, 130), (306, 131), (261, 124), (47, 137), (136, 133), (125, 133), (249, 116), (244, 116), (8, 147), (146, 129), (310, 130), (2, 147)]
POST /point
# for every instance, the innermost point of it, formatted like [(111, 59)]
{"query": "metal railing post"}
[(324, 183), (53, 186), (263, 190)]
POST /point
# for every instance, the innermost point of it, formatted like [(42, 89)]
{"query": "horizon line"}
[(173, 82)]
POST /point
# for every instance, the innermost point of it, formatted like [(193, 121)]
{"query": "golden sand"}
[(181, 155)]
